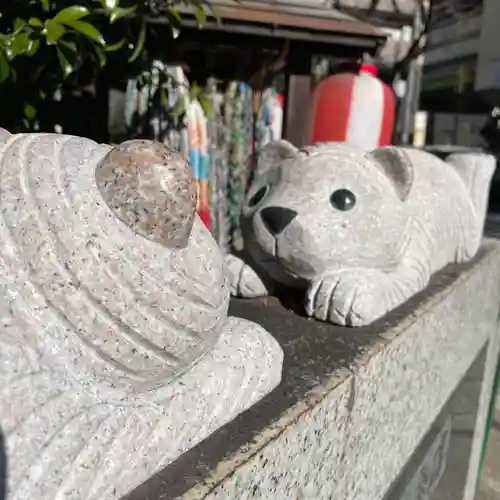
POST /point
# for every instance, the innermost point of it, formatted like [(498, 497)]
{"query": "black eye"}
[(258, 196), (343, 199)]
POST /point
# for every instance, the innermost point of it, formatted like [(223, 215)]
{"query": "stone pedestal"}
[(372, 413)]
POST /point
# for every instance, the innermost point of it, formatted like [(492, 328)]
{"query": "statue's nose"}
[(276, 219)]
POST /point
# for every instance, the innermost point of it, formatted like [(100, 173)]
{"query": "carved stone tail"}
[(149, 187), (477, 171)]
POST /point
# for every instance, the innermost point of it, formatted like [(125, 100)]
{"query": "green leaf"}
[(29, 111), (34, 21), (45, 4), (206, 105), (73, 13), (212, 10), (140, 43), (20, 44), (19, 24), (88, 30), (163, 96), (175, 22), (101, 56), (116, 46), (201, 17), (173, 14), (42, 94), (33, 47), (64, 63), (179, 107), (119, 12), (53, 31), (69, 45), (109, 4), (4, 67), (216, 16), (195, 90)]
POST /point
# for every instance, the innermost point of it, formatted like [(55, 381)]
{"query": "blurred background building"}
[(461, 80)]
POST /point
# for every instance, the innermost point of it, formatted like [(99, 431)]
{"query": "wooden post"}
[(298, 91)]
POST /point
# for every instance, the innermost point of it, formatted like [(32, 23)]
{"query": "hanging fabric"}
[(219, 146), (239, 124), (150, 101), (136, 106), (177, 89), (130, 102), (218, 166), (198, 155), (269, 119)]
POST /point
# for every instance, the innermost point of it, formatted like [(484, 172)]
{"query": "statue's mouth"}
[(273, 263), (263, 247)]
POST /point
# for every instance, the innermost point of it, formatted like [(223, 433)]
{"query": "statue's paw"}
[(243, 280), (354, 297)]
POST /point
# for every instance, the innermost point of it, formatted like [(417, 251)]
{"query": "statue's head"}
[(113, 276), (149, 189), (326, 206)]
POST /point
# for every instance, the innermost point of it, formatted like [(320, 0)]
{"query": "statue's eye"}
[(258, 196), (343, 199)]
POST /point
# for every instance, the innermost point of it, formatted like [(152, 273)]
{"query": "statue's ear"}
[(274, 153), (397, 166)]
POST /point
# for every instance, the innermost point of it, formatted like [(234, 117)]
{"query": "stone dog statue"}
[(359, 232), (116, 352)]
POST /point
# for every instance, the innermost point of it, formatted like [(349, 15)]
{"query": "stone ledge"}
[(353, 404)]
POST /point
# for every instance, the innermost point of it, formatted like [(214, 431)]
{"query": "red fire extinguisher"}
[(353, 107)]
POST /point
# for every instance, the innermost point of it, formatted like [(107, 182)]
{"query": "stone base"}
[(438, 468), (354, 405)]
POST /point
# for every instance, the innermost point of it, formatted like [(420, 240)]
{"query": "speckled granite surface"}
[(353, 405), (438, 468), (116, 352), (313, 219)]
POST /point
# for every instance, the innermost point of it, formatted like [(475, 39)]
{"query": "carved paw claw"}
[(353, 297), (243, 280)]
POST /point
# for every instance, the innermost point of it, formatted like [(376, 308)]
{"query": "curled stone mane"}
[(149, 187), (128, 295)]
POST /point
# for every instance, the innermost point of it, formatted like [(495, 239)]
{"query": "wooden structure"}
[(253, 34)]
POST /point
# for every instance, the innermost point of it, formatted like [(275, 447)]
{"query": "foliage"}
[(52, 45)]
